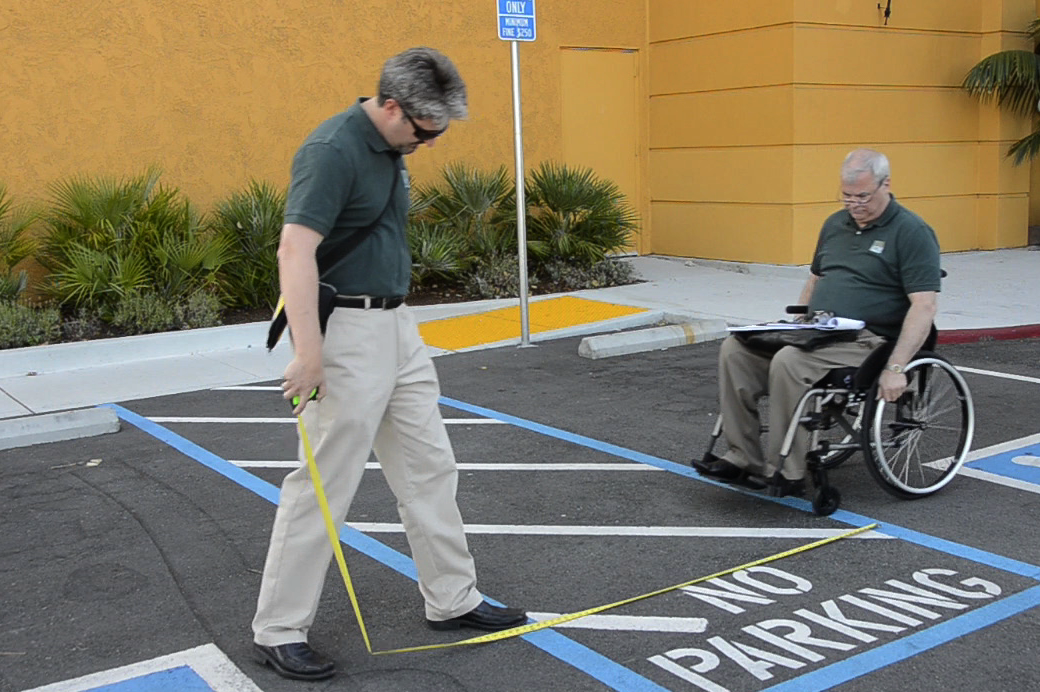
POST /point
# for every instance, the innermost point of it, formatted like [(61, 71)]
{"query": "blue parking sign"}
[(516, 20)]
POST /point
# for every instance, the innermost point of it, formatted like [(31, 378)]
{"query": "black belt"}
[(378, 303)]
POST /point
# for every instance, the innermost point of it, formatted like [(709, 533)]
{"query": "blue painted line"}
[(893, 652), (1002, 464), (180, 679), (858, 520), (586, 660), (869, 661)]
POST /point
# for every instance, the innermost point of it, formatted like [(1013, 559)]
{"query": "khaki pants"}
[(745, 376), (382, 396)]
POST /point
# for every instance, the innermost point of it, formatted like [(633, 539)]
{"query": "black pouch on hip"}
[(326, 304)]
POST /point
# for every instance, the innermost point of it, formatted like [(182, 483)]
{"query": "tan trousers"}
[(382, 396), (745, 376)]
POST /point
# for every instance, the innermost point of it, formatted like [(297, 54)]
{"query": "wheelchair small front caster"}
[(826, 500)]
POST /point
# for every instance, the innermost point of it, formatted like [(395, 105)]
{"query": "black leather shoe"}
[(296, 661), (782, 487), (702, 465), (726, 472), (484, 617)]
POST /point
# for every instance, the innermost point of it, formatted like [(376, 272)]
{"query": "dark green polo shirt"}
[(340, 183), (866, 274)]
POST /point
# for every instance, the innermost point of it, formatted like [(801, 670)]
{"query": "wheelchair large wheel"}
[(916, 445)]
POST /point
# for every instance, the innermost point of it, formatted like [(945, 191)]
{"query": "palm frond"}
[(15, 242), (1033, 30), (1010, 78), (250, 222), (1025, 149), (437, 251)]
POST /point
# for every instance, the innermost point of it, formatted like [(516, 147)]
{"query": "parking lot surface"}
[(144, 548)]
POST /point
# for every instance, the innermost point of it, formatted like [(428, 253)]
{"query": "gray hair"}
[(860, 161), (426, 85)]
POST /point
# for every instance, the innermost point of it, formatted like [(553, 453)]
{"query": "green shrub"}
[(144, 312), (108, 238), (201, 309), (250, 224), (438, 252), (82, 327), (24, 325), (15, 246), (563, 276), (499, 277), (574, 216), (476, 206)]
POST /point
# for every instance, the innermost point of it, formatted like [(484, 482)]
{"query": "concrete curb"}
[(56, 427), (49, 358), (87, 354), (972, 336), (653, 339)]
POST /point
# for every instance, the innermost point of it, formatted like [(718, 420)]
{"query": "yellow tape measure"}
[(330, 527)]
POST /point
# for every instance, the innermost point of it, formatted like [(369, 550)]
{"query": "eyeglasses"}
[(422, 134), (861, 198)]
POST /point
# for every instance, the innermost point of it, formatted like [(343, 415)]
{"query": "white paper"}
[(772, 326), (840, 323), (829, 324)]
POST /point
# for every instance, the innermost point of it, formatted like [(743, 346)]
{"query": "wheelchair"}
[(913, 447)]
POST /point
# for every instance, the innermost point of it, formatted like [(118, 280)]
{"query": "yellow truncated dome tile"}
[(455, 333)]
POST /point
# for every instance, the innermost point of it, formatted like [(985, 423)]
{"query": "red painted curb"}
[(971, 336)]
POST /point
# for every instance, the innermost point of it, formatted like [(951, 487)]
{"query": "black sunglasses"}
[(421, 133)]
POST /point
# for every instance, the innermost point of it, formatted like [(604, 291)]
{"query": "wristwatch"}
[(894, 367)]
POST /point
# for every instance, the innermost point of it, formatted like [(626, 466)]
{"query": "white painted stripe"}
[(372, 466), (1009, 446), (999, 480), (985, 452), (207, 661), (1003, 375), (630, 623), (249, 388), (665, 531), (212, 419)]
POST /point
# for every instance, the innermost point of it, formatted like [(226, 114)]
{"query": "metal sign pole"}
[(521, 204)]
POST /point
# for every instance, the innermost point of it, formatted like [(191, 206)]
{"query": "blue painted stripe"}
[(610, 673), (893, 652), (1002, 464), (858, 520), (180, 679)]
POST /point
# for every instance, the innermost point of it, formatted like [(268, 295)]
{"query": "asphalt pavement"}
[(131, 560)]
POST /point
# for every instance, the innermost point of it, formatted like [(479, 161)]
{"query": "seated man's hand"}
[(891, 385)]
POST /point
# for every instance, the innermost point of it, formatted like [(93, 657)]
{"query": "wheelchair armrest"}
[(797, 309)]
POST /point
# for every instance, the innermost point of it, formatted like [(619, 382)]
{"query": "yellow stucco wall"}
[(218, 92), (746, 109), (753, 105)]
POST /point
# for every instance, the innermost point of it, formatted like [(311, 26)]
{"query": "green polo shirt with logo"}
[(866, 274), (341, 183)]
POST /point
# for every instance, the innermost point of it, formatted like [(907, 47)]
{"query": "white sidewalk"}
[(984, 290)]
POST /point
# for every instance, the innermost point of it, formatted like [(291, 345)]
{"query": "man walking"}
[(376, 387)]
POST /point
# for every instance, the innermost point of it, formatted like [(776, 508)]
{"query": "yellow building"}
[(725, 123)]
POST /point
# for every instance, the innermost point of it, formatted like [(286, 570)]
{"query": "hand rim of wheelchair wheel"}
[(876, 443)]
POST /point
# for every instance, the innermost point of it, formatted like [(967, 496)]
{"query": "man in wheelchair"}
[(875, 261)]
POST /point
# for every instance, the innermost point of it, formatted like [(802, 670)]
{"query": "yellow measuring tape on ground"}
[(330, 527)]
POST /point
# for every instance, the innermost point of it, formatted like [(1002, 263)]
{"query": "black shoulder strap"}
[(329, 261)]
